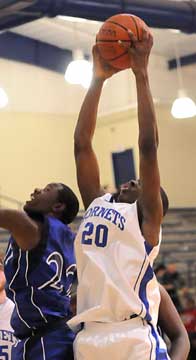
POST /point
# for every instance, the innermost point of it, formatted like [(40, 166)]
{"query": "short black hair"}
[(165, 201), (159, 267), (67, 197)]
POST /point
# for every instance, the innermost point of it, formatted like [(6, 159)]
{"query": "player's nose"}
[(133, 183), (37, 191)]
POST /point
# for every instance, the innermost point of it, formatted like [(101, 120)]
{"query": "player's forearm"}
[(171, 324), (88, 114), (8, 218), (148, 134), (180, 348), (25, 231)]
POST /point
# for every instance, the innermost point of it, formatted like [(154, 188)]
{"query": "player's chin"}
[(25, 207), (121, 198), (28, 206), (124, 198)]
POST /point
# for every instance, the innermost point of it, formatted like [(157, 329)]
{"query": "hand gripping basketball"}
[(114, 29)]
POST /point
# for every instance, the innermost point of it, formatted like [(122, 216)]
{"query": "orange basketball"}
[(114, 29)]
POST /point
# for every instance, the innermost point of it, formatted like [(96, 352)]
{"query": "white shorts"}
[(132, 339)]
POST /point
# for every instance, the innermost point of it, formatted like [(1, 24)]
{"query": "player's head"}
[(55, 199), (171, 268), (130, 192), (160, 270)]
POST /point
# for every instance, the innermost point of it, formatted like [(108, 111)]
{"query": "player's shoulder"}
[(7, 307), (53, 223), (58, 228)]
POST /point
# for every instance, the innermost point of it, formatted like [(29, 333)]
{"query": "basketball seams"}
[(113, 41), (116, 57), (120, 25), (126, 28), (135, 23)]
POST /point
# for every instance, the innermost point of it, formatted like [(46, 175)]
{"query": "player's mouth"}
[(124, 187), (32, 200)]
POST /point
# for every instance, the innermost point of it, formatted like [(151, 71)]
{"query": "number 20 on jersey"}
[(95, 233)]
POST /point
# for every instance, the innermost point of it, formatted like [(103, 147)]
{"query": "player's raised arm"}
[(150, 200), (25, 231), (86, 161), (171, 324)]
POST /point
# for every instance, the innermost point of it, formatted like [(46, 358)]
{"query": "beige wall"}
[(177, 151), (35, 149), (177, 157), (115, 133), (38, 148), (36, 129)]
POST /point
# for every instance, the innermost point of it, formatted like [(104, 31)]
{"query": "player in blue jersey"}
[(39, 268)]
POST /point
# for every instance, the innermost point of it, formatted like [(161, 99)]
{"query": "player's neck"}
[(2, 297)]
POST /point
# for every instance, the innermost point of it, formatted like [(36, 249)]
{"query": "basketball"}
[(114, 29)]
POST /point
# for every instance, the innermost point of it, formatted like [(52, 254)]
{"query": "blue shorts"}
[(55, 345)]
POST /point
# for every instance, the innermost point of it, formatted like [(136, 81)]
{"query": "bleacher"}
[(4, 236), (179, 242)]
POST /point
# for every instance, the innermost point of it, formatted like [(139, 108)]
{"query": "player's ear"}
[(58, 207)]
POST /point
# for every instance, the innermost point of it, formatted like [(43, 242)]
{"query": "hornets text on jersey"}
[(7, 338)]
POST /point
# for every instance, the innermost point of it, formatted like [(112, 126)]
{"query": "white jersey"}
[(7, 339), (115, 265)]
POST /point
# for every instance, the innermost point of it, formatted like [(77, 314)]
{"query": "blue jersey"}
[(39, 281)]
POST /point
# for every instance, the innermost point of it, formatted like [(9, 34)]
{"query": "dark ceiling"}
[(157, 13)]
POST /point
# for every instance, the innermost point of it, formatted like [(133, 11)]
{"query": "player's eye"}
[(47, 189)]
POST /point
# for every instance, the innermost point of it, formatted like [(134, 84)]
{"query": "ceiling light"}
[(175, 31), (3, 98), (76, 19), (183, 107), (79, 71), (71, 18)]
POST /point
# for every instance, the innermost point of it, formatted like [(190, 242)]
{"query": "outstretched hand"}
[(101, 69), (139, 50)]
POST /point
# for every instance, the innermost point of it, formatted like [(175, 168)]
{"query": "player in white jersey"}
[(118, 295), (7, 339)]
